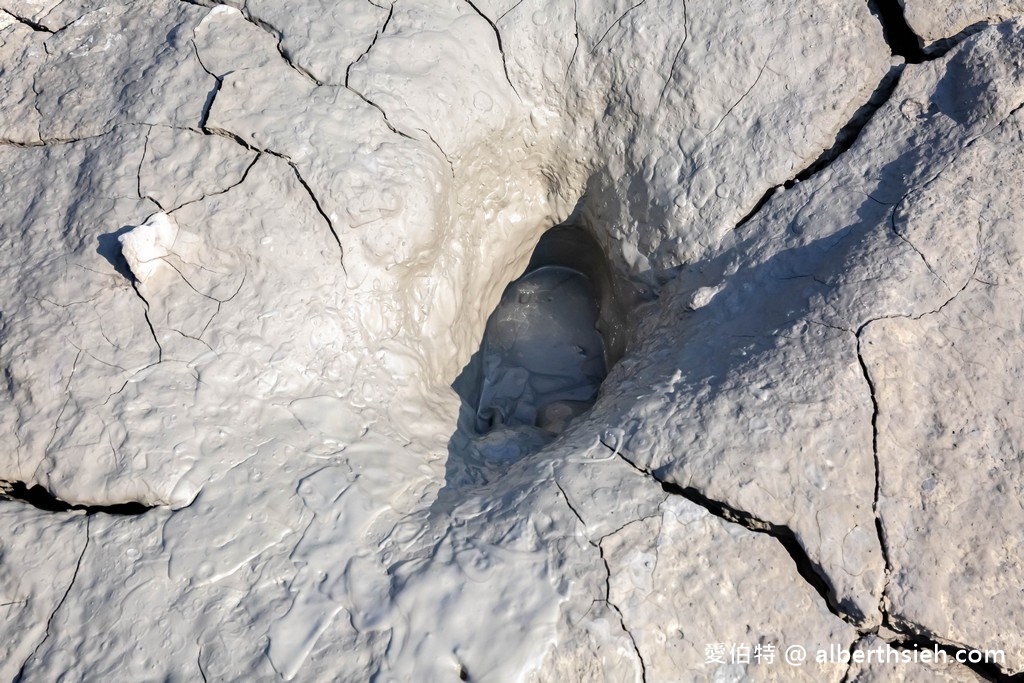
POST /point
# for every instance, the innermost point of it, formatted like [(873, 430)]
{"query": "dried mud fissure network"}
[(584, 289), (906, 45)]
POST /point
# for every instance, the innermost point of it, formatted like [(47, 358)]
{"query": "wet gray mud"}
[(542, 360), (546, 349)]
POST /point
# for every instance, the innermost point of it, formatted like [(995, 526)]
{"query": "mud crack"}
[(848, 134), (614, 24), (378, 34), (21, 672), (34, 25), (879, 529), (319, 208), (897, 32), (501, 47), (809, 570), (622, 618)]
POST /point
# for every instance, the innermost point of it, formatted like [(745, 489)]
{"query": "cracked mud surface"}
[(246, 248)]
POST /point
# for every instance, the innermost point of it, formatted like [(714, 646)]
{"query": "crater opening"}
[(546, 349), (542, 358)]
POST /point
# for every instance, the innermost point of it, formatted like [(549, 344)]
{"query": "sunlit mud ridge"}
[(510, 340)]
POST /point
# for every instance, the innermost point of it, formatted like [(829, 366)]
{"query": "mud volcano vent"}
[(546, 349)]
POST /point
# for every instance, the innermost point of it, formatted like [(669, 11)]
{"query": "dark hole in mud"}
[(901, 38), (542, 360), (546, 350), (40, 498)]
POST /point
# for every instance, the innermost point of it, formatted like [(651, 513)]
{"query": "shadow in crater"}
[(560, 329), (546, 349), (855, 270)]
